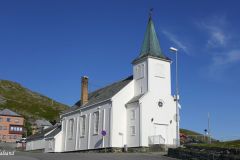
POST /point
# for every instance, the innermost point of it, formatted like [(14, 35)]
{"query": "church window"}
[(142, 71), (159, 70), (139, 71), (96, 122), (133, 114), (83, 126), (50, 145), (133, 130), (70, 129)]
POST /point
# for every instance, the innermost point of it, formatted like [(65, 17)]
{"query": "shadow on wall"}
[(98, 144)]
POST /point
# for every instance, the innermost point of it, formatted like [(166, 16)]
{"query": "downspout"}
[(147, 74), (140, 124), (111, 125)]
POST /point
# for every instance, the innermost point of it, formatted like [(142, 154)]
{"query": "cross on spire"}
[(150, 12)]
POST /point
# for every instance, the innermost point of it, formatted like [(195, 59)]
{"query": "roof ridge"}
[(102, 94), (110, 84)]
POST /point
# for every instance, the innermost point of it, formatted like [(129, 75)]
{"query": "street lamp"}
[(177, 96)]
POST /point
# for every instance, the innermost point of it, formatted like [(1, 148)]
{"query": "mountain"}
[(31, 105)]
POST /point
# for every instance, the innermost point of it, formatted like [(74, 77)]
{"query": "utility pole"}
[(209, 133)]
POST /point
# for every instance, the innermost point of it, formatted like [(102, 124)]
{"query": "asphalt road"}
[(84, 156)]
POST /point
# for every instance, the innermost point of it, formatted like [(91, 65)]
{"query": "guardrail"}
[(156, 139)]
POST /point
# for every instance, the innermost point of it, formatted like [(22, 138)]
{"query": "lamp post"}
[(177, 97)]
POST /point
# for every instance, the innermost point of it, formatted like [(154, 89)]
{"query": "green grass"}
[(30, 104), (226, 144), (189, 132), (194, 137)]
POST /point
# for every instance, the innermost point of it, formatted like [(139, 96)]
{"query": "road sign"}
[(103, 133)]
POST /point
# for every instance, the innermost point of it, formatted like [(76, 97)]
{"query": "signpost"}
[(104, 133)]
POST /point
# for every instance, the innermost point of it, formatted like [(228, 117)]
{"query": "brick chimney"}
[(84, 94)]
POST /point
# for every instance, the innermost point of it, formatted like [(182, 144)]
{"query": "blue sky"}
[(48, 45)]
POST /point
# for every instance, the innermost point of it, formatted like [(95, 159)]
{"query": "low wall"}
[(204, 153)]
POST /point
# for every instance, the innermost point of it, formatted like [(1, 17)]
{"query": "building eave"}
[(137, 60), (85, 107)]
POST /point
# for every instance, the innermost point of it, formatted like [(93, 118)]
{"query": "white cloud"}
[(175, 40), (215, 27), (227, 58), (221, 63), (221, 44)]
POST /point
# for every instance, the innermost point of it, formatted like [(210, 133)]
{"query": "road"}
[(84, 156)]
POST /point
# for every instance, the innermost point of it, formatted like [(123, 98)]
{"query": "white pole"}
[(177, 92)]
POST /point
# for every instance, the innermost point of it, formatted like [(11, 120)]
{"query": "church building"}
[(138, 111)]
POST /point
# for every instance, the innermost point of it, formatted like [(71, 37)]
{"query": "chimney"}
[(84, 94)]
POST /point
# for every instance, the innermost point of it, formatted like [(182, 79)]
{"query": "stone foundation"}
[(202, 153), (153, 148)]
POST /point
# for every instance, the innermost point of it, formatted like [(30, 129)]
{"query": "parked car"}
[(22, 140)]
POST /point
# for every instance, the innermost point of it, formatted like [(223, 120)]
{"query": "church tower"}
[(151, 69)]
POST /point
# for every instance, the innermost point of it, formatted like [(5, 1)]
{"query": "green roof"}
[(151, 46)]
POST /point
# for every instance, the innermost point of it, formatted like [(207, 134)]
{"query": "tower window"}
[(139, 71), (159, 70), (133, 114)]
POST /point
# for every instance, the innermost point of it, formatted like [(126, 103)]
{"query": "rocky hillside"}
[(30, 104)]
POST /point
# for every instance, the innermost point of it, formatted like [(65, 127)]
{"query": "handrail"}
[(156, 139)]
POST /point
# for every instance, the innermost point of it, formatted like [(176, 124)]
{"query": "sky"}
[(48, 45)]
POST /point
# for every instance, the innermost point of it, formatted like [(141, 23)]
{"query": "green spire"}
[(151, 45)]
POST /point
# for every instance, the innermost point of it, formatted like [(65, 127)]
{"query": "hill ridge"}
[(32, 105)]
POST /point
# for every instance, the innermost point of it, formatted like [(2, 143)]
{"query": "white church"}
[(138, 111)]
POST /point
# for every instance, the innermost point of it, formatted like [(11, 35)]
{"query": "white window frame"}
[(133, 114), (133, 128), (159, 70), (83, 126), (70, 128), (139, 71), (142, 70), (96, 121)]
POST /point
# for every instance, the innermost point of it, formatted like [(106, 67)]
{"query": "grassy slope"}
[(30, 104), (195, 136), (226, 144), (189, 132)]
